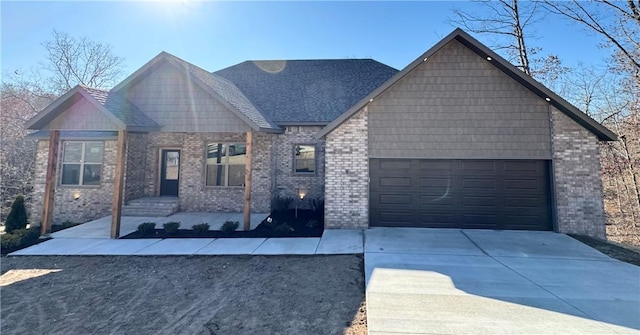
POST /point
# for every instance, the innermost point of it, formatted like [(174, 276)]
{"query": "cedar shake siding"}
[(457, 105), (174, 101), (82, 115)]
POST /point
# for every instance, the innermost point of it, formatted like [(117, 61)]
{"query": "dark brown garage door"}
[(489, 194)]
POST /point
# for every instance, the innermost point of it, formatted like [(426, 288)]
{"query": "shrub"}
[(18, 239), (229, 227), (171, 227), (283, 229), (9, 242), (200, 228), (17, 218), (318, 206), (313, 224), (146, 228), (281, 204)]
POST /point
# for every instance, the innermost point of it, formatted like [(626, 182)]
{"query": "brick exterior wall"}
[(194, 195), (347, 174), (142, 176), (286, 181), (577, 179), (94, 201)]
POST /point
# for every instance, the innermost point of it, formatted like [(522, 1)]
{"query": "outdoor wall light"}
[(548, 99), (76, 196), (489, 58), (302, 193)]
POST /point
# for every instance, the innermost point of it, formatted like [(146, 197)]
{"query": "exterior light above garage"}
[(548, 99), (489, 58), (371, 100)]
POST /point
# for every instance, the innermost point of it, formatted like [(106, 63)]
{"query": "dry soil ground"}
[(183, 295)]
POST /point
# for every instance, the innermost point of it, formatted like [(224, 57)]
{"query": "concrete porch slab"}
[(341, 241), (231, 246), (288, 246), (176, 246)]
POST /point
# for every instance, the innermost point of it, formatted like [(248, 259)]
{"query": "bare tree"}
[(74, 61), (20, 99), (71, 61), (503, 18), (617, 21)]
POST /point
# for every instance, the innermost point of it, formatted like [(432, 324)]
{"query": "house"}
[(459, 138)]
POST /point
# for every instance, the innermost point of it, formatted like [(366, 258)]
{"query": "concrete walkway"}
[(441, 281), (72, 242)]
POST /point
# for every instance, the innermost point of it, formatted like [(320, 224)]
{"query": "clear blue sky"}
[(214, 35)]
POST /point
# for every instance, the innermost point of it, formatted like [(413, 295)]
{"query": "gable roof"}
[(502, 64), (117, 109), (298, 92), (219, 88)]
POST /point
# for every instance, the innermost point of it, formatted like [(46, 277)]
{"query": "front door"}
[(169, 172)]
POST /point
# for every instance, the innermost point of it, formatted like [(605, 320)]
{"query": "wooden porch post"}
[(118, 183), (50, 182), (247, 182)]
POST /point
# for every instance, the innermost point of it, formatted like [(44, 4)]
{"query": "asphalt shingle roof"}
[(124, 110), (306, 90), (230, 93)]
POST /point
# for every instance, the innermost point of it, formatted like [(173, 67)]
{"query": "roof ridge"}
[(94, 88)]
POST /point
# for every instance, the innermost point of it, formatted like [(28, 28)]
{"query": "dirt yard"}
[(183, 295)]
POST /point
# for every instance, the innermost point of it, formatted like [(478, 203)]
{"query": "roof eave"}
[(271, 130)]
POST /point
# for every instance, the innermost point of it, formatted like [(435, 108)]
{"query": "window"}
[(304, 158), (225, 164), (82, 163)]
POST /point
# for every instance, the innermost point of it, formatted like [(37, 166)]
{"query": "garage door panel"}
[(521, 166), (395, 165), (395, 199), (478, 166), (435, 165), (479, 184), (492, 194), (522, 202), (395, 181), (437, 200), (522, 184), (471, 202)]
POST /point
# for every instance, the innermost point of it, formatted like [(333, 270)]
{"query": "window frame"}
[(294, 159), (81, 164), (226, 166)]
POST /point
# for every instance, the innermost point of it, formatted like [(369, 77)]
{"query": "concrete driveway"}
[(450, 281)]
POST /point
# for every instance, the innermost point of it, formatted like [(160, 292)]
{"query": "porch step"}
[(153, 206)]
